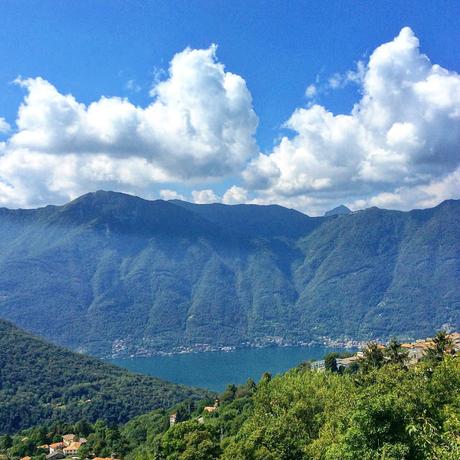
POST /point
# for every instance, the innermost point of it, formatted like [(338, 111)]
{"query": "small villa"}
[(210, 409), (56, 446), (68, 438), (68, 447), (72, 448)]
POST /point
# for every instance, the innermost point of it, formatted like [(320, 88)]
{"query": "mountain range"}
[(114, 275)]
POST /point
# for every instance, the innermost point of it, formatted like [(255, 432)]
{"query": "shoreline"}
[(327, 342)]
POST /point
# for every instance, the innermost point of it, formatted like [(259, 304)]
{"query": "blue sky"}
[(92, 48)]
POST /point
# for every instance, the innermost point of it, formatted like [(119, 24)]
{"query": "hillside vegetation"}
[(164, 275), (42, 382), (382, 409)]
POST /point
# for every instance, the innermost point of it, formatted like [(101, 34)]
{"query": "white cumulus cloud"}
[(398, 147), (404, 134), (167, 194), (200, 125), (204, 196), (235, 195)]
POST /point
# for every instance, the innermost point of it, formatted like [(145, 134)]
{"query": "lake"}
[(215, 370)]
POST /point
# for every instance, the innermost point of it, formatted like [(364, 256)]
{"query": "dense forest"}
[(161, 275), (381, 409), (40, 382)]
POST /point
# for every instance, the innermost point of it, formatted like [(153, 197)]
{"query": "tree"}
[(266, 377), (200, 445), (5, 442), (442, 344), (373, 357), (228, 394), (83, 428), (190, 440), (330, 362), (395, 353)]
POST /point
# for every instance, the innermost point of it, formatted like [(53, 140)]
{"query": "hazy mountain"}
[(40, 382), (338, 211), (110, 272)]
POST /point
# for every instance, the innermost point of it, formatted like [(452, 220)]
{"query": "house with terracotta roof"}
[(56, 446), (72, 448), (415, 351), (105, 458), (211, 409), (44, 447), (69, 438)]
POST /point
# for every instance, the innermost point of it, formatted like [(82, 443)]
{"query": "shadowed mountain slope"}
[(111, 273)]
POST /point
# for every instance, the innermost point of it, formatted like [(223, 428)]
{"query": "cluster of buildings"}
[(415, 352), (66, 449), (345, 363)]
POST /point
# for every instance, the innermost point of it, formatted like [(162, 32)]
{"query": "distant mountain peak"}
[(338, 211)]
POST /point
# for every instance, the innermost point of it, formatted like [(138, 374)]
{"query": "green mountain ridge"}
[(41, 382), (113, 274)]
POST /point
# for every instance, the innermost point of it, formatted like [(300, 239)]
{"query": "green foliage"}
[(41, 382), (395, 354), (374, 357), (104, 440), (189, 440), (330, 362), (442, 344), (391, 412)]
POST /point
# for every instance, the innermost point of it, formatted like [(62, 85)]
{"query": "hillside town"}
[(415, 352), (66, 448)]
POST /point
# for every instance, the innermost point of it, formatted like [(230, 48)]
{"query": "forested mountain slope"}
[(382, 407), (40, 382), (111, 273)]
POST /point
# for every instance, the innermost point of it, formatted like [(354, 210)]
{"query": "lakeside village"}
[(415, 352), (122, 348), (69, 445)]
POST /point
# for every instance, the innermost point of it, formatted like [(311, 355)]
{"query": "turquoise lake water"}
[(214, 370)]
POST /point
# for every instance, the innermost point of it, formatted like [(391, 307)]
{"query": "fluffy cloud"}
[(398, 148), (235, 195), (167, 194), (200, 125), (204, 196), (403, 135)]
